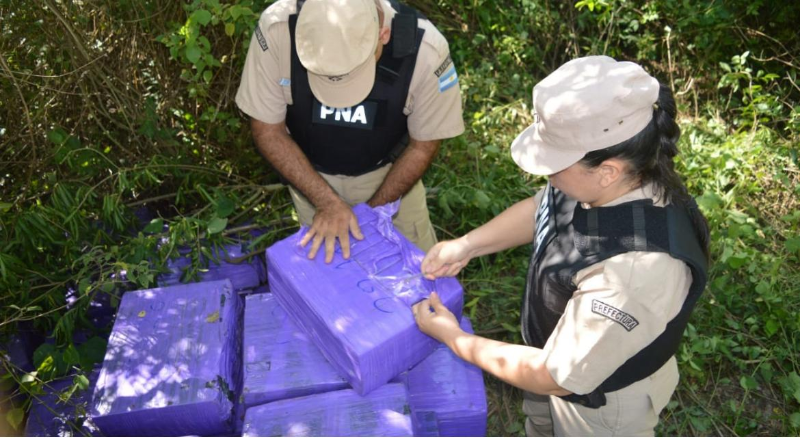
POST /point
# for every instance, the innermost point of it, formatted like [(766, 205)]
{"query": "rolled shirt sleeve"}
[(621, 305), (261, 91), (434, 102)]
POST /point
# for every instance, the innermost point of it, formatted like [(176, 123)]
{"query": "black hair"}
[(650, 155)]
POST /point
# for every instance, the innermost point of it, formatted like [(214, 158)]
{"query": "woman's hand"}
[(439, 323), (446, 258)]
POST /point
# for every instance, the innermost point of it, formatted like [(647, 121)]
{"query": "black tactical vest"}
[(569, 238), (362, 138)]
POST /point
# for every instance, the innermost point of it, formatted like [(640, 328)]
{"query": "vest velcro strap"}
[(639, 231), (633, 226), (404, 30), (405, 35), (592, 232)]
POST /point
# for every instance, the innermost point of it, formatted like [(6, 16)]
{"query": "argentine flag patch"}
[(448, 79)]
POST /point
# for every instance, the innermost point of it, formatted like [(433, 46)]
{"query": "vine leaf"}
[(14, 417), (217, 225)]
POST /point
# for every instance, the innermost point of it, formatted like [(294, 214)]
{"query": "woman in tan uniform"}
[(619, 256)]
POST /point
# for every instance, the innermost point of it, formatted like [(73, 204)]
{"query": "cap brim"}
[(349, 90), (535, 156)]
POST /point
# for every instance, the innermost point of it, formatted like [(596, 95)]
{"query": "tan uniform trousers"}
[(632, 411), (412, 218)]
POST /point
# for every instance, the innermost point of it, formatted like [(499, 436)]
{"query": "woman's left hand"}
[(439, 323)]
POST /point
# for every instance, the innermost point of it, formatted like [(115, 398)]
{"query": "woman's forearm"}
[(512, 228), (520, 366)]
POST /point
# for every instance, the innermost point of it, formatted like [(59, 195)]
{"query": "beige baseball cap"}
[(587, 104), (336, 42)]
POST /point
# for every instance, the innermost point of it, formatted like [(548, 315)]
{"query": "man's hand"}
[(331, 222), (334, 218), (440, 323), (446, 259)]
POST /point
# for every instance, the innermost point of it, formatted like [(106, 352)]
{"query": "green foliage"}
[(110, 106)]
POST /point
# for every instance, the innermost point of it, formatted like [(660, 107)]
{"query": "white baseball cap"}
[(336, 42), (587, 104)]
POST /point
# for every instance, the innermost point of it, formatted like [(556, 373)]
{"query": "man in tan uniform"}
[(349, 102)]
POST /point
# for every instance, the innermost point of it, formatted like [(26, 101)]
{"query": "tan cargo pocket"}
[(425, 235)]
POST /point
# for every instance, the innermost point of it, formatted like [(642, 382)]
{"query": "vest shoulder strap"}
[(683, 243), (637, 226), (404, 30), (405, 42)]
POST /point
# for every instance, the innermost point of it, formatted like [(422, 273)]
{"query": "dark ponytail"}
[(650, 155)]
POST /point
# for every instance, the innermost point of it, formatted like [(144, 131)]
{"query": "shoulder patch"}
[(448, 79), (261, 40), (626, 320), (441, 69)]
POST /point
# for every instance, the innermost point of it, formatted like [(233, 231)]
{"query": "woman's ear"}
[(384, 35), (611, 171)]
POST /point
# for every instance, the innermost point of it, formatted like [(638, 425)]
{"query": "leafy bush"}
[(111, 107)]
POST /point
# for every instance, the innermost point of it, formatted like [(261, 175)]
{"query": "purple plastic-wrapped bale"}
[(280, 361), (450, 391), (382, 413), (16, 354), (50, 417), (243, 275), (358, 311), (172, 363)]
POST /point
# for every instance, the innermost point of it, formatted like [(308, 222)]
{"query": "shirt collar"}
[(647, 191)]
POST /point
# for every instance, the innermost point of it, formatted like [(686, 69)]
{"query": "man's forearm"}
[(406, 171), (275, 144)]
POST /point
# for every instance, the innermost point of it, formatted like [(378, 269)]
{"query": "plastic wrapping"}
[(383, 412), (172, 363), (49, 417), (449, 391), (358, 311), (243, 275), (279, 360)]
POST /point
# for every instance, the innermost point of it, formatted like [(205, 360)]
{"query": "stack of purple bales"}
[(445, 395), (357, 311), (383, 412), (333, 350), (357, 314), (449, 392), (280, 361)]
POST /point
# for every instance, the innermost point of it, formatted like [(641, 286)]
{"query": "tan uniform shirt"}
[(433, 105), (589, 343)]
